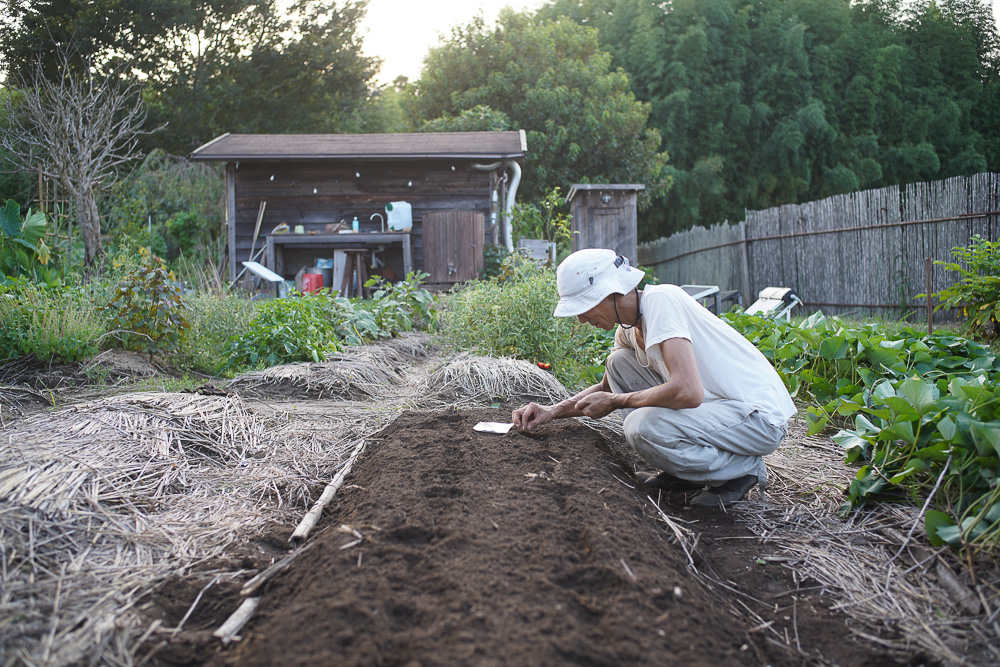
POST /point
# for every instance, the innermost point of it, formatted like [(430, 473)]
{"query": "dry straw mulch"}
[(473, 380), (356, 373)]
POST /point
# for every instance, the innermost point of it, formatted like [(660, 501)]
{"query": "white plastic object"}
[(400, 215)]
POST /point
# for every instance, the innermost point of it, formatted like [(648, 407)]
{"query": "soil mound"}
[(449, 546)]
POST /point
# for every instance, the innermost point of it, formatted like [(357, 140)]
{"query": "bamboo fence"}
[(864, 253)]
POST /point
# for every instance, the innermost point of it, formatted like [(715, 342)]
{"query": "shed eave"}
[(284, 157)]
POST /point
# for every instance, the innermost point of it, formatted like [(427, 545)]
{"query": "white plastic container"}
[(399, 216)]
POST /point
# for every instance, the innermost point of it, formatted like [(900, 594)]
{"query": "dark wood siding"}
[(454, 240), (599, 224), (314, 194)]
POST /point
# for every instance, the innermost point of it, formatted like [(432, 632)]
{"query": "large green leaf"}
[(33, 228), (986, 436), (920, 395), (10, 220), (834, 348), (934, 521)]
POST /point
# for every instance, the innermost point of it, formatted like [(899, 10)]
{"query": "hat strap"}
[(638, 313)]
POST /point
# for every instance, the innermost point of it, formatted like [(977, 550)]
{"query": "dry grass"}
[(102, 502), (472, 380), (356, 373)]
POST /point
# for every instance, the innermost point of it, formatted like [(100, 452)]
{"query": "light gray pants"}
[(715, 442)]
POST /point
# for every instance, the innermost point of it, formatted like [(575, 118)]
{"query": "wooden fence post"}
[(930, 308)]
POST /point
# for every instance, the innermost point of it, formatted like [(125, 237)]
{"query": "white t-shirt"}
[(729, 365)]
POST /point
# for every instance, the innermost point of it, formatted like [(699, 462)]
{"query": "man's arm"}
[(683, 390)]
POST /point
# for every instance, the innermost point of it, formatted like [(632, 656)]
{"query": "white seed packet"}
[(492, 427)]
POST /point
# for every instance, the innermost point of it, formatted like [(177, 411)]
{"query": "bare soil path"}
[(520, 549)]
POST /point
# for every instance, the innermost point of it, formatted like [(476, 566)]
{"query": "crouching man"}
[(699, 401)]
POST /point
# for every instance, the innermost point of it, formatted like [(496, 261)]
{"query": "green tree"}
[(211, 67), (776, 101), (551, 79)]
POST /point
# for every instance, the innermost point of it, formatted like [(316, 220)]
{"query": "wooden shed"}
[(604, 216), (455, 184)]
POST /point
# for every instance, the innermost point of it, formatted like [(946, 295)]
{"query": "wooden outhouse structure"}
[(453, 183), (604, 216)]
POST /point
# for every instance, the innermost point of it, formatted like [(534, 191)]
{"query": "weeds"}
[(52, 324)]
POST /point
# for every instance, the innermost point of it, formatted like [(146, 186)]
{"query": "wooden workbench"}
[(276, 243)]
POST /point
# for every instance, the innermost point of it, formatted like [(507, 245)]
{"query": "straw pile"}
[(102, 501), (471, 380), (354, 373), (876, 564)]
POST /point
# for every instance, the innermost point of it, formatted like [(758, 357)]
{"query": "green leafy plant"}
[(53, 324), (977, 293), (396, 306), (147, 310), (511, 315), (22, 247), (215, 320), (920, 414), (494, 257), (548, 219), (298, 328)]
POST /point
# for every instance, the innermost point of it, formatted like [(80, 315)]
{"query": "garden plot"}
[(443, 546)]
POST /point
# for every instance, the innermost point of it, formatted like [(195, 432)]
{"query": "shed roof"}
[(423, 145)]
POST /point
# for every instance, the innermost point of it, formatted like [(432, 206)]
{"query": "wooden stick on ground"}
[(310, 519), (227, 631)]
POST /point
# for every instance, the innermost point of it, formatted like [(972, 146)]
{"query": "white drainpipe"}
[(493, 206), (515, 180)]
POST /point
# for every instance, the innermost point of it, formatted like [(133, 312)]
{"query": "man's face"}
[(601, 316)]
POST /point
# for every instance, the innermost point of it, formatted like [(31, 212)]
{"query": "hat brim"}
[(581, 302)]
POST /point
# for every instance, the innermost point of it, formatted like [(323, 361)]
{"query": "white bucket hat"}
[(587, 277)]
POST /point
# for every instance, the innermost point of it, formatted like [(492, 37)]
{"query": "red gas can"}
[(312, 282)]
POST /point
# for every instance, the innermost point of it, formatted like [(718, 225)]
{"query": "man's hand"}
[(597, 404), (531, 416)]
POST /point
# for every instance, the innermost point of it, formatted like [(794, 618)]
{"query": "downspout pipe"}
[(515, 180), (508, 210), (493, 203)]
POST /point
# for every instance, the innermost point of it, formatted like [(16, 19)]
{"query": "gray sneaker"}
[(726, 493)]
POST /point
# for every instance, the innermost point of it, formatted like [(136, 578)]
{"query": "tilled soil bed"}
[(516, 549)]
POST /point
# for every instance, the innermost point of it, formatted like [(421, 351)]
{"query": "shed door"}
[(453, 245)]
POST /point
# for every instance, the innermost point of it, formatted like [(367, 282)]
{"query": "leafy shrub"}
[(53, 324), (400, 306), (298, 328), (921, 412), (147, 310), (511, 315), (978, 291), (171, 205), (548, 219), (494, 257), (215, 322)]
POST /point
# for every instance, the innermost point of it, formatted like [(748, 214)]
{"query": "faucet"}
[(381, 219)]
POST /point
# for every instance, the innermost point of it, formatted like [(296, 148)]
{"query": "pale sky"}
[(401, 31)]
